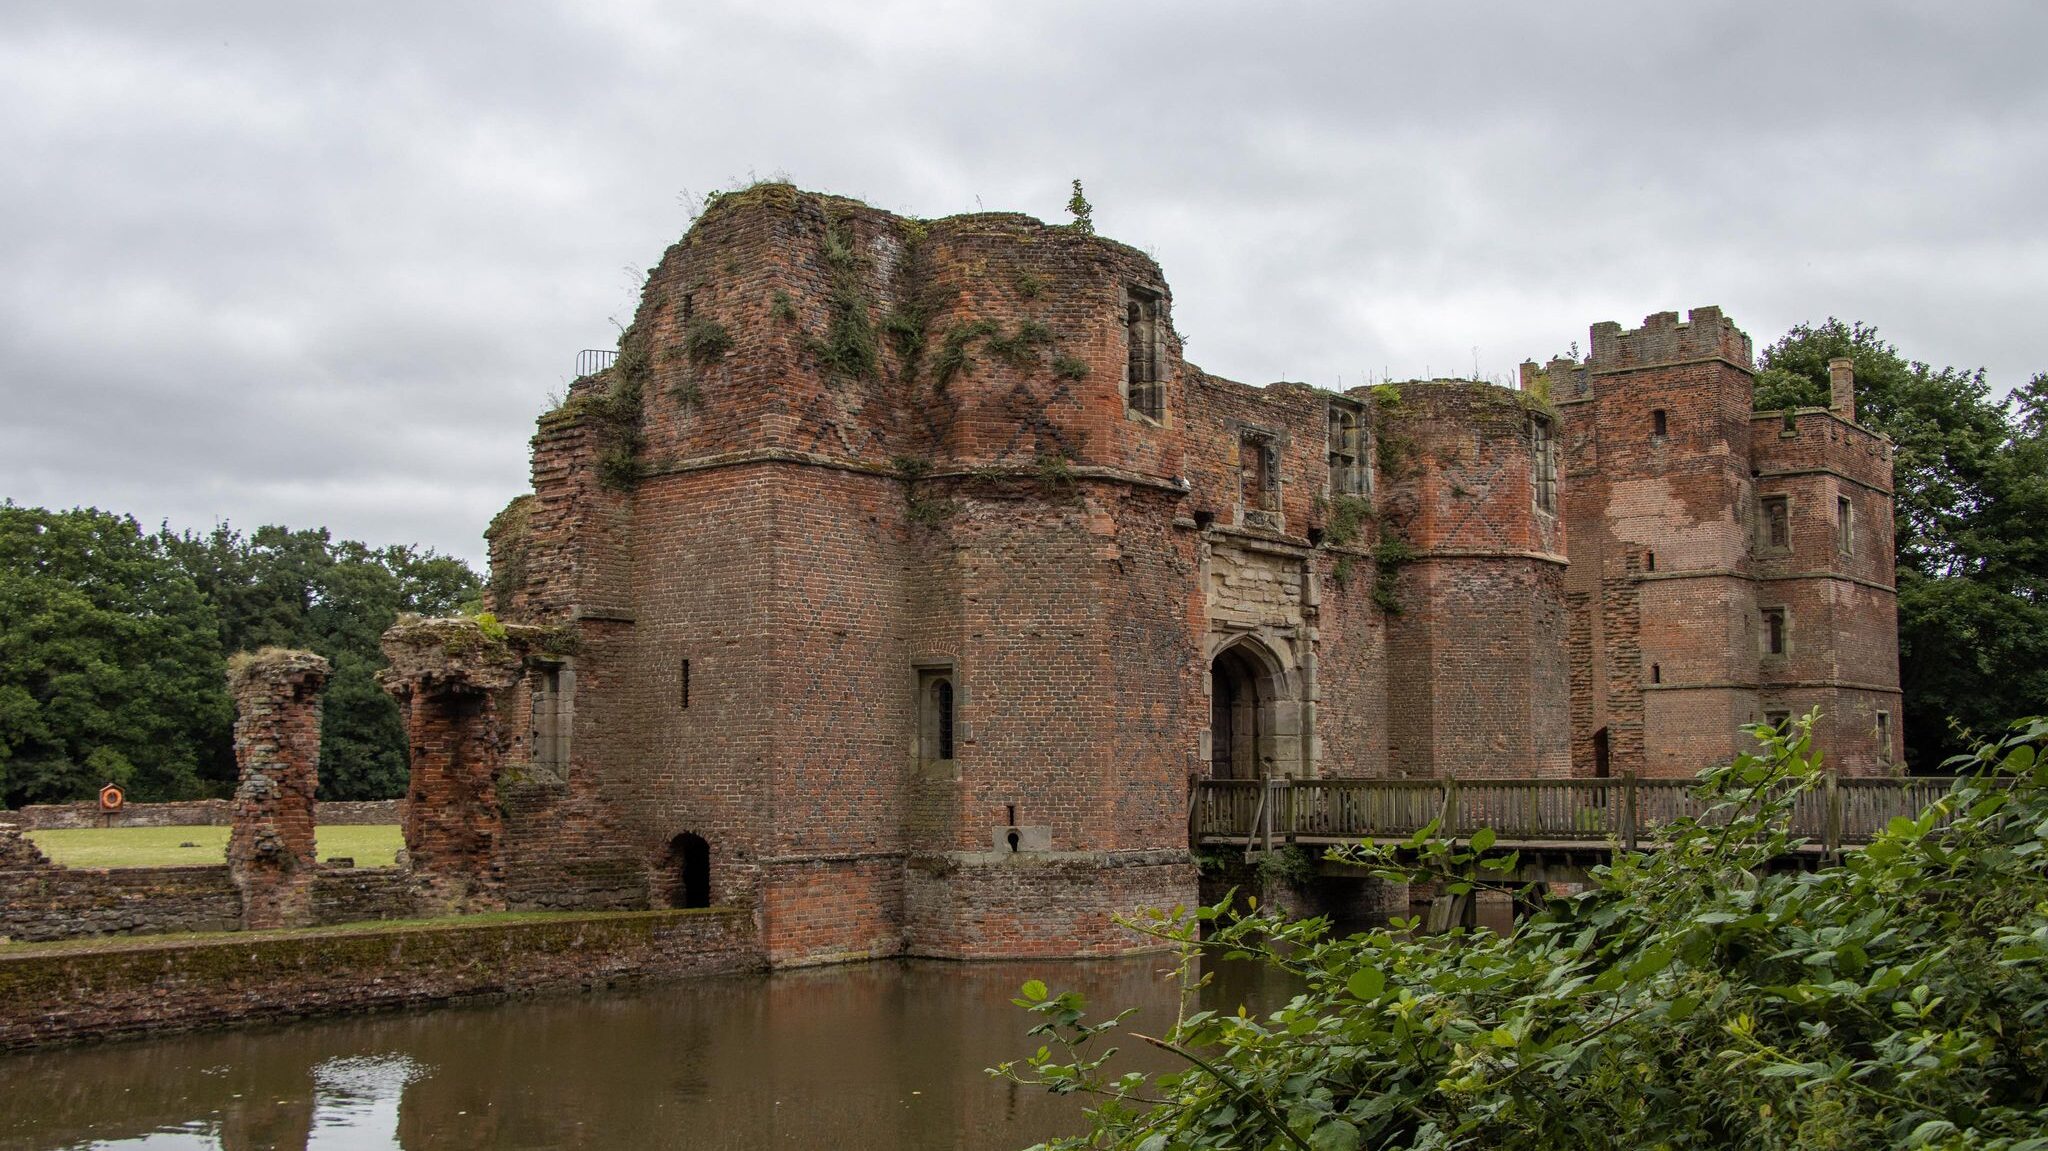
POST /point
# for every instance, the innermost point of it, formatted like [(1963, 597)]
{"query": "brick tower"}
[(1696, 603)]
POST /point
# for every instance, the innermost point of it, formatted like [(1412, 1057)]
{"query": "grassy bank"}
[(373, 845)]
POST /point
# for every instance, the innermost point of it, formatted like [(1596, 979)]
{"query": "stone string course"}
[(66, 994)]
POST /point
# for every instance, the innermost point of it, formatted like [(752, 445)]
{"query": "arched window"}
[(935, 716)]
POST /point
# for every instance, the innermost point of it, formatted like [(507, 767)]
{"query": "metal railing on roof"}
[(591, 361)]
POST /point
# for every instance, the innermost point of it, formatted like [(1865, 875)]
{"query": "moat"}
[(882, 1055)]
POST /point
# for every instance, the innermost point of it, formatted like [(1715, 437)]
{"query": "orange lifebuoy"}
[(112, 797)]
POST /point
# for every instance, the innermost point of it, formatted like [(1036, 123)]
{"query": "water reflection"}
[(885, 1055)]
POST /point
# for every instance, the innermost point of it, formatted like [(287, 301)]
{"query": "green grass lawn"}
[(374, 845)]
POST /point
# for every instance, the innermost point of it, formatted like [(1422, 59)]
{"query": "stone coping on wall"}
[(107, 988)]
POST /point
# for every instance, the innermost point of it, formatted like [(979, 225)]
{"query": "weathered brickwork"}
[(56, 995), (277, 753), (908, 579), (1692, 522), (41, 901)]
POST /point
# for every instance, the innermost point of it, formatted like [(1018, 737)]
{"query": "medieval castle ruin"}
[(900, 579)]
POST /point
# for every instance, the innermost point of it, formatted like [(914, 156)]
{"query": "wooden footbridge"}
[(1568, 821)]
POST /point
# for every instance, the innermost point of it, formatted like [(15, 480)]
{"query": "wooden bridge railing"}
[(1836, 813)]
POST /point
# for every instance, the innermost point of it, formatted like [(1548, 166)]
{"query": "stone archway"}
[(1254, 714)]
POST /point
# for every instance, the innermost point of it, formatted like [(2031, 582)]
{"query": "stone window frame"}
[(927, 675), (1543, 464), (1269, 514), (1145, 400), (1779, 719), (1764, 544), (1881, 731), (1845, 525), (1660, 425), (551, 696), (1783, 632), (1355, 477)]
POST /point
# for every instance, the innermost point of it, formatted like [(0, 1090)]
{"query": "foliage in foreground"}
[(1687, 999)]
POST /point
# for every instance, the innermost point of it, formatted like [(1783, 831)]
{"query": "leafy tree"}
[(1692, 997), (110, 663), (303, 589), (1971, 527)]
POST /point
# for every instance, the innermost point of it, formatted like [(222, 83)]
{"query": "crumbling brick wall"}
[(277, 751)]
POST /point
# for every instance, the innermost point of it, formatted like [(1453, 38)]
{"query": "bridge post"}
[(1831, 833), (1628, 810), (1450, 816)]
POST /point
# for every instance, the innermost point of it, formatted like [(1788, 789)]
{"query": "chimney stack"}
[(1842, 387)]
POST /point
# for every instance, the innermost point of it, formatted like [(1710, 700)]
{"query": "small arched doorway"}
[(691, 857), (1235, 714)]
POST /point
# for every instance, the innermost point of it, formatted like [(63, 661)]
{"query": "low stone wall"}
[(190, 813), (358, 812), (61, 903), (58, 994), (40, 901), (345, 895), (59, 816)]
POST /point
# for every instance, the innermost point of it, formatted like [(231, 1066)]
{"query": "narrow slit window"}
[(1543, 464), (549, 747), (935, 717), (1659, 425), (1656, 673), (1650, 561), (1845, 526), (1778, 720), (1258, 475), (683, 684), (1777, 525), (1884, 737), (1145, 394), (1775, 631)]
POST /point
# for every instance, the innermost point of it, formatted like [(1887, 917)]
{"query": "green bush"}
[(1695, 996)]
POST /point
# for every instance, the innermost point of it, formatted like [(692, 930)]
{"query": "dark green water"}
[(876, 1056)]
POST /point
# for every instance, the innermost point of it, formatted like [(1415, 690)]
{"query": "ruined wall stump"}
[(277, 749)]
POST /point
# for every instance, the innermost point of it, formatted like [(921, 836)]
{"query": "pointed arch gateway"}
[(1254, 718)]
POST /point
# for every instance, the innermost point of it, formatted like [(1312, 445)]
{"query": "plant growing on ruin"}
[(1692, 997), (706, 341), (1020, 349), (1029, 286), (1055, 472), (848, 348), (1348, 515), (781, 307), (1081, 210), (1388, 556), (1068, 367), (954, 354)]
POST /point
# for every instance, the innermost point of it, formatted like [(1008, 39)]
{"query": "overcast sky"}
[(323, 264)]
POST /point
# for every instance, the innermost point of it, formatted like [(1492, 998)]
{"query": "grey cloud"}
[(324, 264)]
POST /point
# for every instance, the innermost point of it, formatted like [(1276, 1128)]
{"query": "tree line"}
[(113, 646)]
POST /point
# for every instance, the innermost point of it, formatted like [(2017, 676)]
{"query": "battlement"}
[(1704, 334)]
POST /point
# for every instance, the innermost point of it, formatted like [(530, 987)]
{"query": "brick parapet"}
[(1663, 339)]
